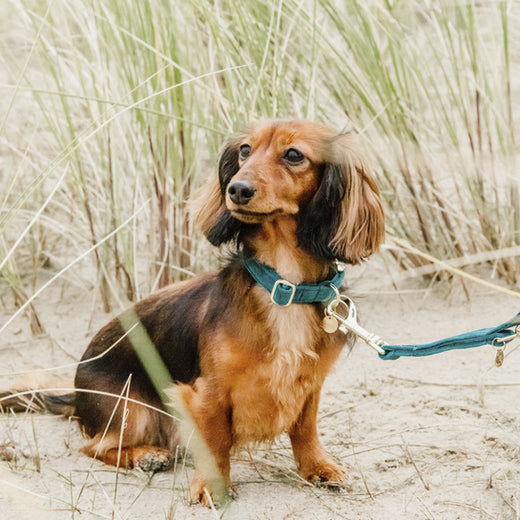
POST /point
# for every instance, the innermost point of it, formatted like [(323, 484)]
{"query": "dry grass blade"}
[(406, 449), (454, 270)]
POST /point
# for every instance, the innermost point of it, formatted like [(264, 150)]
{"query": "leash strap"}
[(340, 314), (495, 336), (284, 293)]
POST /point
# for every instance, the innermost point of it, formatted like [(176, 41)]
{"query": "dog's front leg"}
[(313, 462), (210, 440)]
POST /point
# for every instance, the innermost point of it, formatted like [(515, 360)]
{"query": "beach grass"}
[(115, 112)]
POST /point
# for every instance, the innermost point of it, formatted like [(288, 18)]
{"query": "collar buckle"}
[(283, 297)]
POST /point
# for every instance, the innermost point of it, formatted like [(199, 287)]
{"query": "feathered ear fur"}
[(345, 218), (209, 208)]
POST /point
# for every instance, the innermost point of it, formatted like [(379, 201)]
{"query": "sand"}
[(431, 438)]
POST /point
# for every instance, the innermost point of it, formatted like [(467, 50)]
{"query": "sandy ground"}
[(433, 438)]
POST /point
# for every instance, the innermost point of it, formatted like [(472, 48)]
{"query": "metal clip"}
[(499, 356), (280, 283), (349, 322), (507, 339)]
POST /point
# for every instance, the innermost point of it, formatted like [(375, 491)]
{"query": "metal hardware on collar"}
[(329, 323), (340, 266), (279, 283), (336, 292)]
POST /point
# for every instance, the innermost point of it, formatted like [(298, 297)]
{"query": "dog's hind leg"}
[(144, 439), (145, 457)]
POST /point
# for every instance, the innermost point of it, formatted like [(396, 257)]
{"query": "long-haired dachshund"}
[(243, 345)]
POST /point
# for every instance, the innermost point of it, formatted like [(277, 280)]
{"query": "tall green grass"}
[(119, 110)]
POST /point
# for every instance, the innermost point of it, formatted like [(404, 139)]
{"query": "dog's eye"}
[(293, 156), (245, 150)]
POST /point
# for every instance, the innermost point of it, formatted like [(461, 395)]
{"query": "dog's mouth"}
[(254, 217)]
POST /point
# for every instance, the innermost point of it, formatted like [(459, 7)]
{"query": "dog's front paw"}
[(325, 472), (200, 492)]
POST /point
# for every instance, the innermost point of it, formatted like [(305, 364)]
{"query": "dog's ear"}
[(209, 208), (345, 218)]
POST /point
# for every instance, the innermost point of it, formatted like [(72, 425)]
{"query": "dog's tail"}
[(40, 394)]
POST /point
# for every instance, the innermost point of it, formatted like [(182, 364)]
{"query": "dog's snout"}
[(241, 192)]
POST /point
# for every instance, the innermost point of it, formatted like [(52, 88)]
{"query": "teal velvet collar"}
[(284, 293)]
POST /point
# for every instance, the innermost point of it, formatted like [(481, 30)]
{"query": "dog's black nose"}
[(241, 192)]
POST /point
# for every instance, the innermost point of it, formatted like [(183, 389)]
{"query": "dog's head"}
[(299, 169)]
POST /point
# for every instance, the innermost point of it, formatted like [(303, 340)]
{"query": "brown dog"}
[(248, 363)]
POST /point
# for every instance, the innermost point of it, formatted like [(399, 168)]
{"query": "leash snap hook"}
[(349, 323)]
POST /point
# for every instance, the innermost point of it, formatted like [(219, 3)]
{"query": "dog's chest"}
[(267, 400), (269, 394)]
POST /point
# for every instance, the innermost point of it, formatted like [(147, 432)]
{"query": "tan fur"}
[(207, 205), (362, 226)]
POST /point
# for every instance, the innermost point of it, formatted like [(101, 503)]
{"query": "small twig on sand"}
[(354, 453), (512, 502), (410, 458)]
